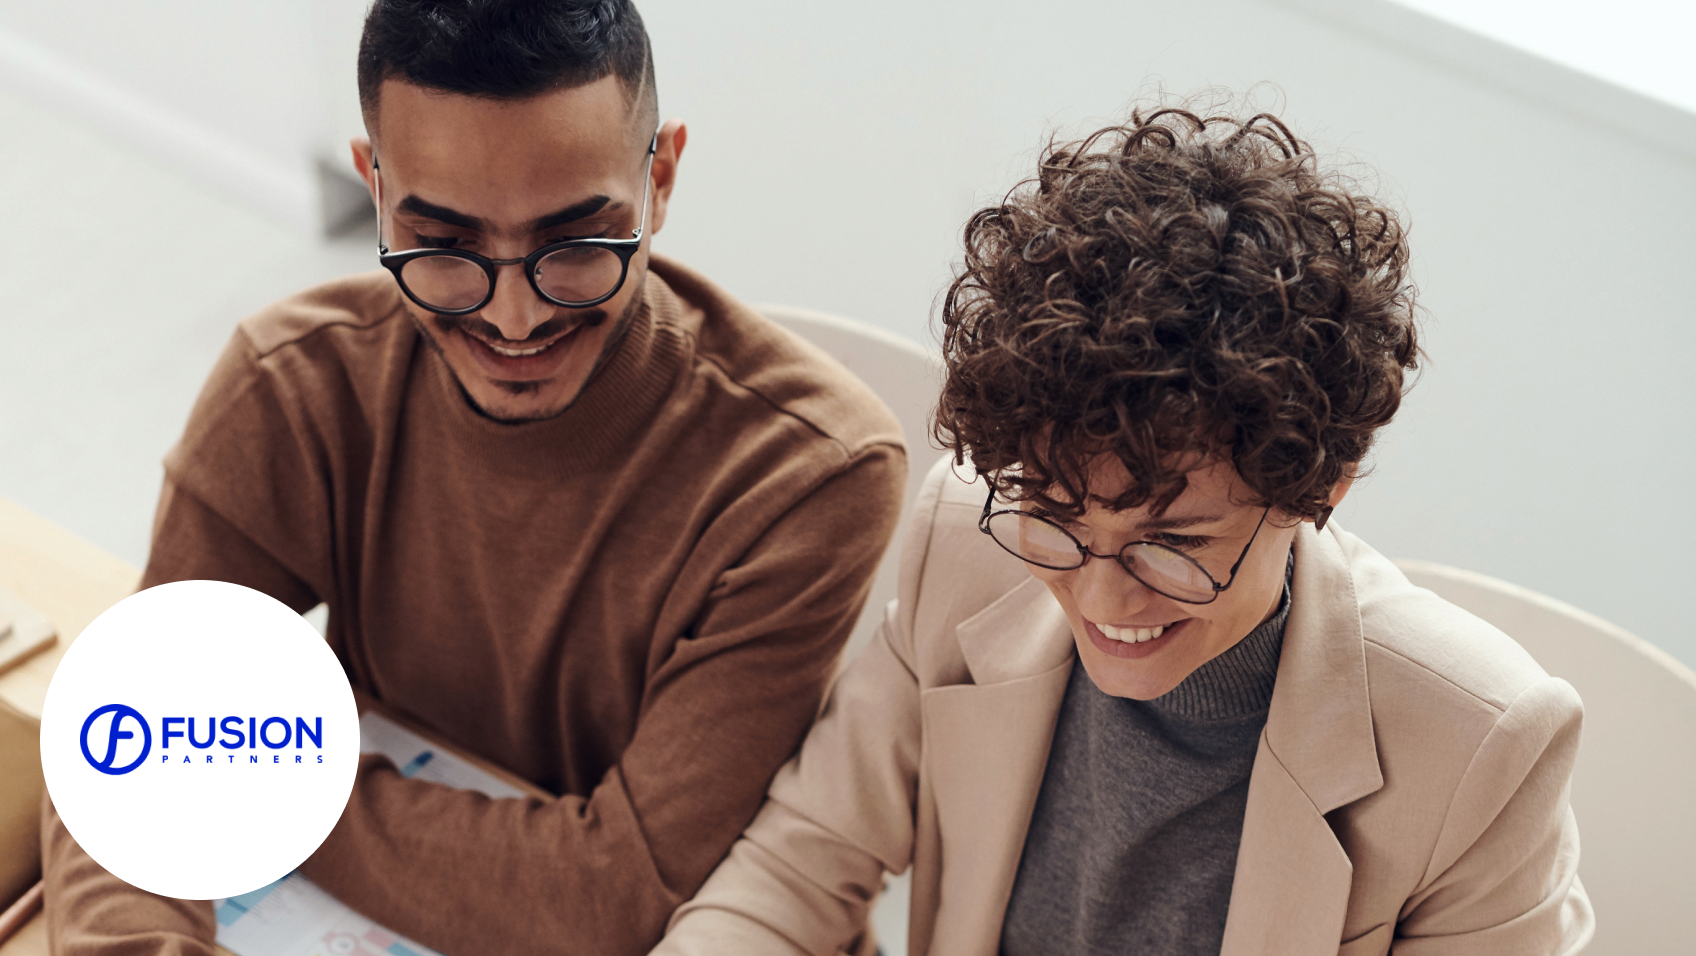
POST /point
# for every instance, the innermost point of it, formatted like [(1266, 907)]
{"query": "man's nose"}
[(516, 309)]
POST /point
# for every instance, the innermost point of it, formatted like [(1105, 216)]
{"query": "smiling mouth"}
[(520, 351), (1133, 635)]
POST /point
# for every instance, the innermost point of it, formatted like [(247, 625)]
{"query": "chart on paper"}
[(295, 917)]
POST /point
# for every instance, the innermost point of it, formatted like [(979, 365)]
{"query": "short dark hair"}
[(505, 49), (1177, 286)]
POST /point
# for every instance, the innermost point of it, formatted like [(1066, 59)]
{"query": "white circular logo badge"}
[(199, 740)]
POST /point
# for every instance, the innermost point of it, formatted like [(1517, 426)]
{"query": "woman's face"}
[(1108, 609)]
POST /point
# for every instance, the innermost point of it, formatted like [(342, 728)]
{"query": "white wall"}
[(836, 150), (248, 95)]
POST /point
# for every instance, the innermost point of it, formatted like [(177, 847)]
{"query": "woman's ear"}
[(1338, 491), (1341, 488)]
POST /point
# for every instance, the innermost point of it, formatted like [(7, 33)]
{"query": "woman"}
[(1138, 693)]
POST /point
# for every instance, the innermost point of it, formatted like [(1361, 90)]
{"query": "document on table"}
[(24, 631), (293, 917)]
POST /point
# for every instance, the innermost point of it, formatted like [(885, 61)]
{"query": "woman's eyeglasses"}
[(1036, 539)]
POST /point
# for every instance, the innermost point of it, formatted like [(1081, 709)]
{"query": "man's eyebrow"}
[(572, 213), (577, 210), (430, 210)]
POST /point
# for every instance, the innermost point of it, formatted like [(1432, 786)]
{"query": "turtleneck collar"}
[(1237, 683)]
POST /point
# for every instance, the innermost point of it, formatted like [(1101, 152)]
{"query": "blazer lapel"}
[(1291, 888), (986, 748)]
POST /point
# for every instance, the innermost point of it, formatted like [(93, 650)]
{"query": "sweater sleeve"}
[(90, 911), (841, 813), (802, 879), (601, 874)]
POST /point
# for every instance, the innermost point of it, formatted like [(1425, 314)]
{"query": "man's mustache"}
[(474, 326)]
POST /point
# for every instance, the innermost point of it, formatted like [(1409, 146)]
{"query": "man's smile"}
[(525, 360), (518, 353)]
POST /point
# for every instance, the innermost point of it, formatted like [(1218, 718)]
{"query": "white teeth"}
[(1132, 635), (517, 353)]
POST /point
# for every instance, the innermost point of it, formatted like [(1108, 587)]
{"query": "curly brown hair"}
[(1170, 289)]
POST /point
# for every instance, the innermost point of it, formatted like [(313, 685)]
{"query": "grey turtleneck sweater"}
[(1133, 842)]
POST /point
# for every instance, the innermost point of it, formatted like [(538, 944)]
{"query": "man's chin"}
[(517, 389), (509, 401), (526, 388), (512, 403)]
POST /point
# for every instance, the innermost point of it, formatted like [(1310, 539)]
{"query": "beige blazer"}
[(1409, 792)]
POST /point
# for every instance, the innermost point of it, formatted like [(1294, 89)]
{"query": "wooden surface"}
[(21, 912), (72, 582), (31, 940), (62, 576), (20, 804), (24, 631)]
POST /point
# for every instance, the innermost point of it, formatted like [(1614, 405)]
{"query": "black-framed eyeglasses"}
[(573, 273), (1161, 568)]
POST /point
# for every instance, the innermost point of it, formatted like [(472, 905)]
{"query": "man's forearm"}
[(92, 912), (600, 873)]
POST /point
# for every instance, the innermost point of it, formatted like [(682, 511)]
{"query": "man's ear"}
[(673, 135), (364, 160)]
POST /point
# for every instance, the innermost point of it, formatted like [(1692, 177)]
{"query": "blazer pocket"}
[(1373, 942)]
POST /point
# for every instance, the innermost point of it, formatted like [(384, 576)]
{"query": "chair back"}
[(1635, 779), (908, 379)]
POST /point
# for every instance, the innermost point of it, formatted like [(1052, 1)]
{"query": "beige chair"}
[(1635, 781), (908, 379)]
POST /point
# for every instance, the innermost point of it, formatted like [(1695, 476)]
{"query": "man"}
[(575, 508)]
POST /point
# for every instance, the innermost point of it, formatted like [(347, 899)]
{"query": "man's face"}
[(1211, 521), (502, 178)]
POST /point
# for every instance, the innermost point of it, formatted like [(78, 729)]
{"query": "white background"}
[(1643, 45), (835, 152)]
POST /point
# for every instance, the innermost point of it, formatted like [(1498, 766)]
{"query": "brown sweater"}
[(635, 605)]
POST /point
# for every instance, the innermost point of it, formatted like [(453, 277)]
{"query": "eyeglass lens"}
[(446, 282), (573, 274), (578, 274), (1164, 569)]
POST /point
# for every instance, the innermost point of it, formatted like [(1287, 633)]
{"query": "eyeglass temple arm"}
[(1244, 556), (647, 182), (377, 177)]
